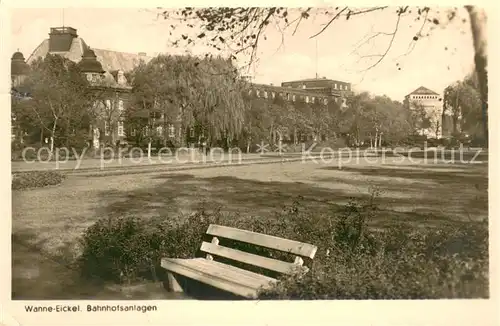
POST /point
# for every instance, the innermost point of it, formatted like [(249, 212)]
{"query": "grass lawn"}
[(50, 220)]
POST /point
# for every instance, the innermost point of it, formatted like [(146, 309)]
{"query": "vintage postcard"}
[(298, 163)]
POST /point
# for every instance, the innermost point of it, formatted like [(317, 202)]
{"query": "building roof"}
[(423, 91), (17, 64), (322, 79), (89, 62), (110, 60)]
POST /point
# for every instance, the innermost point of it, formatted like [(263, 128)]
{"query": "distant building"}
[(432, 103), (312, 91), (320, 85)]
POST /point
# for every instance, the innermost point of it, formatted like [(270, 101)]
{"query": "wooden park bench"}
[(234, 279)]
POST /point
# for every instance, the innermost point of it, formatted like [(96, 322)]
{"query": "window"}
[(307, 99), (293, 97), (108, 105), (335, 86), (265, 94), (191, 132), (288, 96), (132, 132), (273, 94), (171, 131), (313, 99), (121, 132), (146, 131), (159, 130), (120, 105), (304, 86), (325, 101), (106, 128)]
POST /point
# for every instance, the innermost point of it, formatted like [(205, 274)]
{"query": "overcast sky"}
[(434, 62)]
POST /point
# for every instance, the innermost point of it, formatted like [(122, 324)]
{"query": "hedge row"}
[(36, 179)]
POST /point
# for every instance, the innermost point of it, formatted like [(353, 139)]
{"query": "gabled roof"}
[(423, 91), (110, 60)]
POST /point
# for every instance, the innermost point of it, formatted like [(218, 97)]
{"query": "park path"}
[(97, 163), (37, 276)]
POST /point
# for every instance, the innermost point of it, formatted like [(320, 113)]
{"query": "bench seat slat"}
[(264, 240), (251, 259), (222, 276)]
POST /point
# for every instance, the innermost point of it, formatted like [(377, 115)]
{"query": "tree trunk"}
[(164, 128), (478, 26), (52, 137)]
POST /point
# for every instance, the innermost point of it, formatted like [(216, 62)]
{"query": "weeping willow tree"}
[(200, 93)]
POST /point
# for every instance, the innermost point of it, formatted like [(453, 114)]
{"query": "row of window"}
[(133, 132), (120, 129), (120, 105), (159, 131), (292, 97), (340, 87), (425, 97)]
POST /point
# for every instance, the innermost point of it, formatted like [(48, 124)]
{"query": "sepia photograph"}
[(248, 153)]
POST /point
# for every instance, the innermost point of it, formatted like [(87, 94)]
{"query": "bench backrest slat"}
[(251, 259), (263, 240)]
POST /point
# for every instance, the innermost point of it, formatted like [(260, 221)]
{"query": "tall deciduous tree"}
[(60, 99), (205, 92), (462, 100)]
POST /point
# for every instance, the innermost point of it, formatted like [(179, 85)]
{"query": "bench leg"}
[(173, 283)]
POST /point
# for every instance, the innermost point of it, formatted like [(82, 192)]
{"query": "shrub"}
[(119, 249), (353, 261), (408, 265), (36, 179)]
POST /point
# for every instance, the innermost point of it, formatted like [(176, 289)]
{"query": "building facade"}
[(105, 71), (432, 103)]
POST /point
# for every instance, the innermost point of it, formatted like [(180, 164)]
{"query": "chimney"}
[(142, 54), (61, 38)]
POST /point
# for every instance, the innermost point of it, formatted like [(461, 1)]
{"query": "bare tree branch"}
[(329, 23), (382, 56)]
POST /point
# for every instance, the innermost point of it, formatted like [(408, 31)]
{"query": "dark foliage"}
[(36, 179)]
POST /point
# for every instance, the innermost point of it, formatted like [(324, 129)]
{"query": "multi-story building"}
[(312, 91), (320, 85), (105, 70), (431, 102), (320, 90)]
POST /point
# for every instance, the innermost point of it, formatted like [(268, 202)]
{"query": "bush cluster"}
[(353, 261), (36, 179)]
